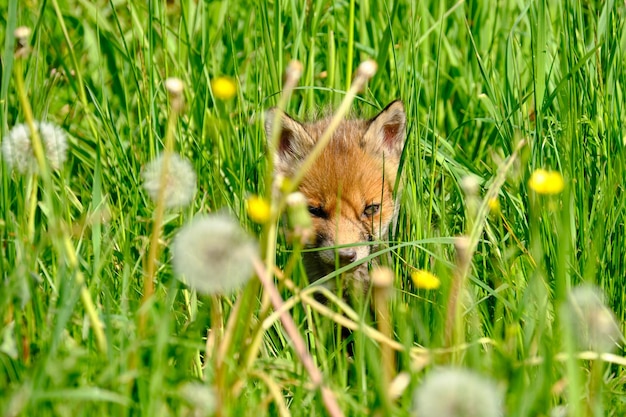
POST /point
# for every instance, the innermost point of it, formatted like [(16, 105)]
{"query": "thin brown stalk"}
[(328, 397), (466, 247)]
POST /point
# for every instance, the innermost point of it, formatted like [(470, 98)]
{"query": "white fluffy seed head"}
[(450, 392), (590, 321), (174, 86), (179, 182), (22, 34), (55, 144), (213, 254), (199, 396), (17, 148), (470, 185), (367, 69), (293, 72)]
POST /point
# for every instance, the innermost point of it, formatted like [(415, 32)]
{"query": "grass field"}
[(93, 321)]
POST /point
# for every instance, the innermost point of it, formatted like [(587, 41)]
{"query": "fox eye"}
[(317, 211), (371, 210)]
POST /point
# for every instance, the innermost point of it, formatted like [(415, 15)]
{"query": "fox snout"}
[(339, 256), (343, 245)]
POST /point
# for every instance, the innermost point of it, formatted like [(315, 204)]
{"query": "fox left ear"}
[(386, 131)]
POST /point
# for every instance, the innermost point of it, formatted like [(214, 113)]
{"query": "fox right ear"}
[(386, 132), (294, 142)]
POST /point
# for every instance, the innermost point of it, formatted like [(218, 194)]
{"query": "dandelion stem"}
[(359, 82), (343, 321), (85, 295), (298, 343), (30, 121), (491, 193), (217, 329), (275, 391), (229, 331), (243, 314), (385, 328), (32, 205), (257, 334), (70, 252), (454, 327), (454, 330), (293, 74), (153, 252)]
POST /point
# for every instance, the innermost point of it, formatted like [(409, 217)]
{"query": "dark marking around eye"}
[(318, 211), (371, 210)]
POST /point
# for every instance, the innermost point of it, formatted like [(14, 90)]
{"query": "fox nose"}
[(347, 255)]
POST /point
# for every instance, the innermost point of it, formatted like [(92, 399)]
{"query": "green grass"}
[(476, 77)]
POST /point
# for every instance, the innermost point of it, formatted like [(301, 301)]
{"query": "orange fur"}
[(349, 188)]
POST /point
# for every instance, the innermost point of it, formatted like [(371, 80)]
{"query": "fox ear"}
[(294, 142), (386, 132)]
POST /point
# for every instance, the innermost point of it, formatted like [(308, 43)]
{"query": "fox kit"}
[(349, 188)]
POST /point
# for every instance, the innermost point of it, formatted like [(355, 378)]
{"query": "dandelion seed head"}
[(55, 144), (592, 323), (425, 280), (559, 411), (449, 392), (213, 254), (546, 182), (180, 180), (224, 88), (17, 148), (200, 396)]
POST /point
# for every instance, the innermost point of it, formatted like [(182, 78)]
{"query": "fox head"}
[(349, 188)]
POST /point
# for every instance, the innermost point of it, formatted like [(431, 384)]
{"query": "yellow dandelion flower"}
[(494, 205), (546, 182), (223, 88), (258, 209), (425, 280)]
